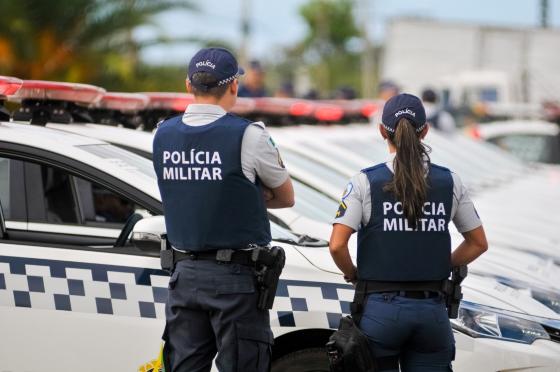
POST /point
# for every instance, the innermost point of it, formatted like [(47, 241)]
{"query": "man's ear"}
[(234, 87), (188, 85), (383, 131), (425, 131)]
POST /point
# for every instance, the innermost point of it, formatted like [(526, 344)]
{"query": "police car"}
[(530, 140), (63, 280), (314, 211)]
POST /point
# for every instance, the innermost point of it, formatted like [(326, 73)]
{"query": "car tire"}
[(305, 360)]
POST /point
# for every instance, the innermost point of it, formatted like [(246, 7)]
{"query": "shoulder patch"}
[(348, 190)]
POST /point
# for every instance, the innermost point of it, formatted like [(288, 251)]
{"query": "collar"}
[(198, 114), (204, 108)]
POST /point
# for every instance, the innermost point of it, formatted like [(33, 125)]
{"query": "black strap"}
[(242, 257)]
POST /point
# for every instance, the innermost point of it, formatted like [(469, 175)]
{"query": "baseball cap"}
[(218, 62), (403, 105)]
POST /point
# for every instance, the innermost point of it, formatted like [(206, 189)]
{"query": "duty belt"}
[(242, 257)]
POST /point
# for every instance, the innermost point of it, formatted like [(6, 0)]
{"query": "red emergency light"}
[(52, 90), (168, 101), (284, 106), (328, 113), (123, 101), (369, 108), (9, 85)]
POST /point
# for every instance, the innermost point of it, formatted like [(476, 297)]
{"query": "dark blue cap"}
[(218, 62), (404, 106)]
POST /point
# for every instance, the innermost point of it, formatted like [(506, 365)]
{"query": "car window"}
[(101, 206), (533, 148), (59, 197), (58, 200)]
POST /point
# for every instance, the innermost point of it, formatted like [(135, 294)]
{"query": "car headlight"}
[(480, 321)]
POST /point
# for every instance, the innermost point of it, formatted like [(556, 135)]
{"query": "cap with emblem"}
[(403, 106), (218, 62)]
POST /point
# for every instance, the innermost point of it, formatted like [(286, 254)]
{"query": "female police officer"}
[(401, 210)]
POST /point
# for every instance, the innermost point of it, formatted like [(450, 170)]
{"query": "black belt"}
[(242, 257), (415, 294), (374, 286)]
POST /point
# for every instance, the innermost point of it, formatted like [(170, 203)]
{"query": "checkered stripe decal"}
[(82, 287), (140, 292)]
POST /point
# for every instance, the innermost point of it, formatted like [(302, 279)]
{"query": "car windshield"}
[(313, 204), (329, 175)]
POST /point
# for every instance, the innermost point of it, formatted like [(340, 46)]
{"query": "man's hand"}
[(282, 196), (267, 194)]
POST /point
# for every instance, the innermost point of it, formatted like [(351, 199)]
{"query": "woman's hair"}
[(409, 184)]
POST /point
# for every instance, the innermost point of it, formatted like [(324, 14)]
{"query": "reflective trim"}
[(74, 230), (16, 225)]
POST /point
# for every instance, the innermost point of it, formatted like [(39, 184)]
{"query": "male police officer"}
[(217, 174)]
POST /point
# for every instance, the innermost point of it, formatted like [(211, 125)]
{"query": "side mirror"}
[(147, 233)]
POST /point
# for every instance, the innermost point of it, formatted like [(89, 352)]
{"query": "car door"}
[(63, 286)]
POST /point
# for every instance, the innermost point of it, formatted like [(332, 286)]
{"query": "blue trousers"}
[(416, 331), (212, 308)]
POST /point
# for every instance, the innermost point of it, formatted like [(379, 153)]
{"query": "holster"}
[(269, 263)]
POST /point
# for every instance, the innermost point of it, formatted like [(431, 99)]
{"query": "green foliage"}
[(330, 24), (324, 51), (77, 40)]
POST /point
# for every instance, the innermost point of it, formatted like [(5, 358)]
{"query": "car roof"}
[(499, 128), (134, 170), (120, 136), (41, 137)]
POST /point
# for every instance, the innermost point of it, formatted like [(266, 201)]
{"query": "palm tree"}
[(75, 40)]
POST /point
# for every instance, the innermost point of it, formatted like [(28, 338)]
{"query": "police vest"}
[(208, 202), (391, 250)]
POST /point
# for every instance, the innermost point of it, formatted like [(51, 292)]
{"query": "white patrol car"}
[(87, 302), (530, 140), (314, 211)]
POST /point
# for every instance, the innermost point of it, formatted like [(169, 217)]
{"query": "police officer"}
[(217, 175), (401, 210)]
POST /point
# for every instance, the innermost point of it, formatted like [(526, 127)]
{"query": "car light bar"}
[(57, 91), (123, 101), (244, 106), (9, 85), (327, 112), (168, 101), (284, 106), (369, 108)]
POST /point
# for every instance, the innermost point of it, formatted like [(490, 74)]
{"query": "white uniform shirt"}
[(357, 199), (259, 154)]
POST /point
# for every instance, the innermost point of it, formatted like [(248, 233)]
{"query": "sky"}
[(276, 23)]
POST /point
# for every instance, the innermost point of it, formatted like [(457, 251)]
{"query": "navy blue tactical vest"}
[(207, 200), (391, 250)]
